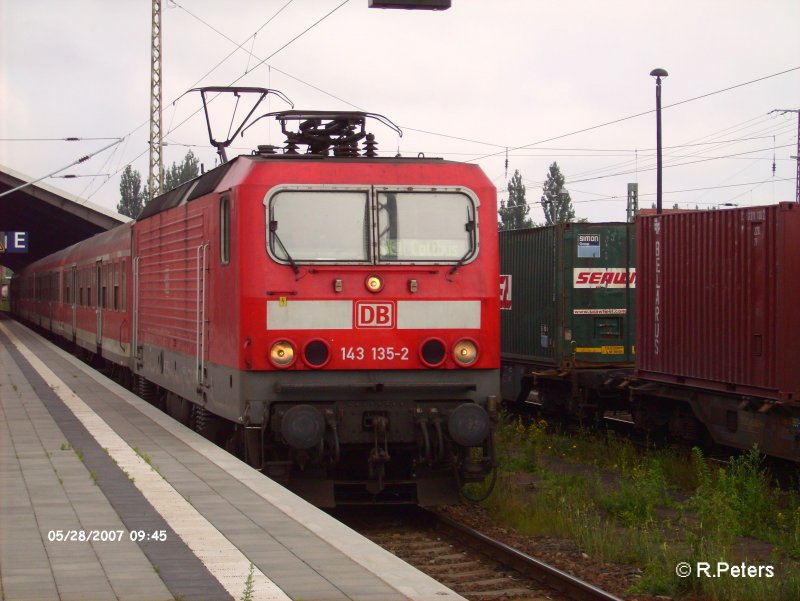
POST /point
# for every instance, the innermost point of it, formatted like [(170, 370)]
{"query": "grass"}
[(651, 509), (143, 455), (146, 458)]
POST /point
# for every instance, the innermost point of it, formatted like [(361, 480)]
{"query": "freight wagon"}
[(718, 328), (567, 307), (717, 333)]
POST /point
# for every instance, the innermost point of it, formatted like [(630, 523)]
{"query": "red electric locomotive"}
[(331, 314)]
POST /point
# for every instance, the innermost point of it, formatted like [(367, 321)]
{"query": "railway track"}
[(477, 567)]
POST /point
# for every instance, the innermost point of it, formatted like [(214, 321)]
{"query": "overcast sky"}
[(464, 84)]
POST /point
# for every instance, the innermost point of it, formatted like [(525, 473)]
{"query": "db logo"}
[(374, 315)]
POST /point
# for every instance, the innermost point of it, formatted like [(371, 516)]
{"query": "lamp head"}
[(658, 73)]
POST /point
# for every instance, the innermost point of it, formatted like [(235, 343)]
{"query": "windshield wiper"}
[(273, 228), (470, 227), (460, 262)]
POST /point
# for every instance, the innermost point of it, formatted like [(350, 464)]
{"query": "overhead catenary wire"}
[(68, 139), (648, 112), (82, 159), (262, 61), (618, 168), (609, 198), (243, 47), (238, 46)]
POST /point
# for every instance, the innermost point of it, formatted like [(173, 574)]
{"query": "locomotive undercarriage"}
[(390, 451), (339, 437), (382, 436)]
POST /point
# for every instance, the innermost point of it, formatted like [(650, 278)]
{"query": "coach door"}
[(201, 322), (73, 300), (99, 305)]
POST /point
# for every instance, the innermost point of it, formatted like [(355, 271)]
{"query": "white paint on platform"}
[(227, 564)]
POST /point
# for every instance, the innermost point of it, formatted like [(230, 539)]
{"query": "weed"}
[(65, 446), (79, 453), (755, 499), (788, 526), (93, 476), (249, 585), (619, 516), (635, 499), (520, 443), (146, 458), (736, 500)]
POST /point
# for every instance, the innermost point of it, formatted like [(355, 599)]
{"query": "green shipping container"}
[(567, 298)]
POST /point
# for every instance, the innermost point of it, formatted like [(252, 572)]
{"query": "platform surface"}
[(167, 514)]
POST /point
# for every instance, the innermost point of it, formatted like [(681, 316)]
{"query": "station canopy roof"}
[(52, 218)]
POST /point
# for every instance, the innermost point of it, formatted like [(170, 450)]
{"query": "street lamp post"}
[(658, 74)]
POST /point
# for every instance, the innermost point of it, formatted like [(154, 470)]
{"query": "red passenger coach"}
[(335, 319), (81, 294)]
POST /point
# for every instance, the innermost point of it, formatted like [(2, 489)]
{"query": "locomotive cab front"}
[(371, 310)]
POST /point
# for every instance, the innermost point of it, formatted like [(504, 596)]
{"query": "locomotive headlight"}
[(469, 425), (465, 352), (433, 352), (316, 353), (374, 283), (281, 354)]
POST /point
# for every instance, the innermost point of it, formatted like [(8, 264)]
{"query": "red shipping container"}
[(718, 300)]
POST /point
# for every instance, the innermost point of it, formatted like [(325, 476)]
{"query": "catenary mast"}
[(155, 178)]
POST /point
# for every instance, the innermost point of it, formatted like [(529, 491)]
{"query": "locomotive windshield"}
[(424, 226), (319, 226), (314, 225)]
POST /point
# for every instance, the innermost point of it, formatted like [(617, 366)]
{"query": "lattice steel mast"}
[(797, 156), (155, 178)]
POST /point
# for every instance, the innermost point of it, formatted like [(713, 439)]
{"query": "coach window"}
[(104, 291), (89, 282), (426, 227), (124, 285), (319, 225), (116, 285), (225, 230)]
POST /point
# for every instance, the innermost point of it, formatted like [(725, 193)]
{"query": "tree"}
[(181, 173), (514, 212), (130, 190), (556, 202), (133, 197)]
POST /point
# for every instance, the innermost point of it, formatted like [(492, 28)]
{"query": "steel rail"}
[(553, 578)]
